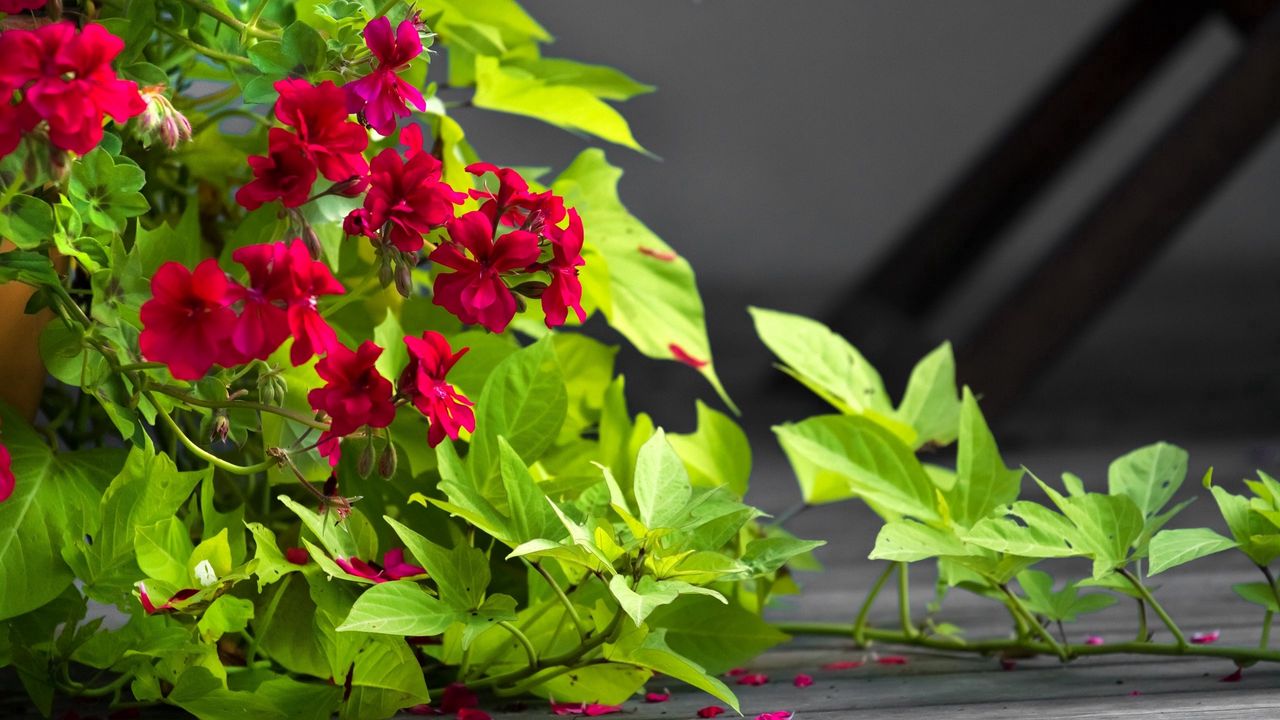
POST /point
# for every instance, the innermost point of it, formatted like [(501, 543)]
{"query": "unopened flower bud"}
[(221, 427), (364, 465), (161, 120), (530, 289), (386, 274), (404, 279), (387, 461), (311, 240)]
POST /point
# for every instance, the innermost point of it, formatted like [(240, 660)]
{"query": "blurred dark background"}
[(801, 142)]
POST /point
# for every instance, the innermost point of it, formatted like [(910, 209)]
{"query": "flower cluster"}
[(192, 323), (382, 96), (323, 142), (63, 78)]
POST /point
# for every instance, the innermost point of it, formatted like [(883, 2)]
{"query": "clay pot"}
[(21, 370)]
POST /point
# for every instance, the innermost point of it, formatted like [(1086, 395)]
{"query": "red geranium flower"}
[(187, 324), (17, 6), (407, 198), (355, 394), (381, 96), (423, 382), (318, 113), (711, 711), (310, 279), (565, 290), (286, 173), (393, 567), (513, 204), (7, 480), (297, 555), (475, 293), (263, 324), (72, 84)]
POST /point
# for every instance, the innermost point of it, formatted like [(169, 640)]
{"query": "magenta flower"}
[(424, 383), (263, 324), (565, 290), (286, 173), (7, 480), (711, 711), (406, 198), (393, 567), (188, 323), (657, 697), (475, 292), (1205, 638), (381, 96), (310, 279), (318, 114), (355, 394), (1094, 640), (802, 680)]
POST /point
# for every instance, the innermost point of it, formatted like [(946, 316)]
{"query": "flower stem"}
[(861, 621), (1178, 637), (204, 49), (205, 455), (1015, 603), (230, 21), (237, 404)]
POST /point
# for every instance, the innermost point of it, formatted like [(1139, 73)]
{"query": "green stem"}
[(1028, 645), (102, 691), (904, 600), (564, 599), (1178, 637), (861, 621), (204, 49), (237, 404), (1144, 633), (205, 455), (523, 640), (1016, 604), (130, 367), (1266, 631), (386, 7), (230, 21), (570, 657)]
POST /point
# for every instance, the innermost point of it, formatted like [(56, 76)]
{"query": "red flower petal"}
[(297, 556), (657, 697), (755, 679), (458, 697), (422, 709), (802, 680), (663, 255), (736, 672), (892, 660), (843, 665), (472, 714), (1135, 693), (683, 356), (1094, 640), (1235, 676), (1205, 638), (710, 711), (776, 715)]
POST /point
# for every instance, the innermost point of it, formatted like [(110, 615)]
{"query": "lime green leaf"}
[(1256, 536), (823, 361), (1065, 605), (163, 550), (1172, 548), (765, 556), (465, 499), (717, 453), (270, 564), (216, 551), (648, 595), (715, 636), (387, 677), (661, 484), (909, 541), (1258, 593), (179, 242), (399, 608), (514, 89), (930, 404), (201, 693), (531, 516), (983, 483), (523, 401), (461, 574), (656, 655), (1041, 534), (605, 683), (1150, 476), (227, 614), (1106, 526), (873, 462), (652, 301), (599, 80)]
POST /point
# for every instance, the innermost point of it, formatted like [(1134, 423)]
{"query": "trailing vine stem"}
[(865, 610)]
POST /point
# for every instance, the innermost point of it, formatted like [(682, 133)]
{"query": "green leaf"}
[(464, 498), (147, 489), (27, 222), (715, 636), (270, 57), (227, 614), (104, 193), (1172, 548), (1150, 476), (27, 267), (652, 301), (648, 595), (302, 45), (909, 541), (201, 693), (386, 677), (823, 361), (1065, 605), (1041, 533), (141, 17), (765, 556), (461, 574), (604, 683), (514, 89), (872, 462), (531, 516), (1105, 526), (656, 655), (930, 404), (661, 484), (179, 242), (1256, 536), (399, 608), (53, 505), (216, 551), (523, 401), (163, 550), (1258, 593), (599, 80), (717, 454), (270, 564), (983, 483)]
